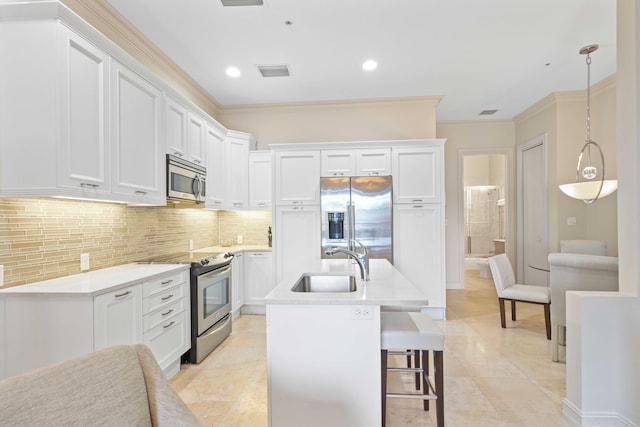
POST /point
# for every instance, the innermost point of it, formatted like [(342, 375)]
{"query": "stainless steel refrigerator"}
[(357, 208)]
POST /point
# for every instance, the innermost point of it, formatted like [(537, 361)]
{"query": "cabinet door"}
[(83, 155), (258, 277), (418, 251), (260, 179), (297, 177), (238, 172), (373, 162), (175, 127), (296, 240), (195, 139), (216, 186), (118, 317), (338, 163), (237, 282), (417, 175), (138, 165)]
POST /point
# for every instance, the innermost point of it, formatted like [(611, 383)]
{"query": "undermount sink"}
[(325, 282)]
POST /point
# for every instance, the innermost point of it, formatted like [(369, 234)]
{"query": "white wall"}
[(477, 137)]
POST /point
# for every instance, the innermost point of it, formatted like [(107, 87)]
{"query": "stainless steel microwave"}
[(186, 181)]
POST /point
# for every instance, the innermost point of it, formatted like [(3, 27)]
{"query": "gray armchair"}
[(577, 272)]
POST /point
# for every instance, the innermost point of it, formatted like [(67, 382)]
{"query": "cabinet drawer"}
[(161, 316), (161, 283), (168, 340), (163, 299)]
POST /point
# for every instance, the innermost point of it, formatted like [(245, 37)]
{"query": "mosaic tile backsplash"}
[(43, 238)]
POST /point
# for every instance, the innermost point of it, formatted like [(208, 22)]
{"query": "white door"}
[(534, 215)]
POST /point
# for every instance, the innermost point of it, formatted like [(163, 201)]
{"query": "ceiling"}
[(476, 54)]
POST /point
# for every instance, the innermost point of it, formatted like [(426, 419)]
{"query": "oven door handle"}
[(218, 272)]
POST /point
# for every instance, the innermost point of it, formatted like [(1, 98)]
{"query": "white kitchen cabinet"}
[(258, 280), (260, 177), (83, 156), (417, 174), (216, 186), (118, 317), (195, 139), (297, 177), (296, 240), (373, 162), (237, 155), (138, 155), (166, 319), (418, 250), (237, 283), (338, 163), (175, 127), (49, 327)]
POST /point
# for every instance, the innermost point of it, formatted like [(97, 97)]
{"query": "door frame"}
[(521, 148), (509, 196)]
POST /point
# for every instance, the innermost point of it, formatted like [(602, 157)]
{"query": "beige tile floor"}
[(493, 376)]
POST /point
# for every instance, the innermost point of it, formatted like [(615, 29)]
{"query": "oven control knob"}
[(228, 255), (204, 261)]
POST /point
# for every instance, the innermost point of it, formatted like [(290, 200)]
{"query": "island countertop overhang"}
[(386, 287)]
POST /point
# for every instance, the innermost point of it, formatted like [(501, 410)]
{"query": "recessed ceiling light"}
[(233, 72), (369, 65)]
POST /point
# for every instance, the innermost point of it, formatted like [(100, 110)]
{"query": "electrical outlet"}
[(190, 244), (1, 276), (84, 262), (571, 220), (361, 312), (239, 239)]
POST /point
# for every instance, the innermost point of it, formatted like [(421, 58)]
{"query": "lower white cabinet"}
[(418, 250), (237, 284), (117, 317), (258, 280), (45, 328), (296, 240)]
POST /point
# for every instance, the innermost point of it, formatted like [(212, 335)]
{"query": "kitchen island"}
[(323, 349)]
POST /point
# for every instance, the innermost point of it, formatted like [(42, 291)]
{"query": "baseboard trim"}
[(253, 309), (455, 285), (578, 418)]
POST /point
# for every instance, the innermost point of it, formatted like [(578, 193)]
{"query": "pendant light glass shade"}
[(590, 184)]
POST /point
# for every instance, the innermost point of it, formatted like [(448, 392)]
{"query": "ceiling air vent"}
[(274, 70), (487, 112), (242, 2)]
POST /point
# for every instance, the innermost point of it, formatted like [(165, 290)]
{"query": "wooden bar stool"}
[(412, 330)]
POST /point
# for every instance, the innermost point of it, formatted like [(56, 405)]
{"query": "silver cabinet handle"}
[(167, 313), (417, 200), (140, 193), (169, 325), (88, 185), (168, 297), (166, 282), (124, 294)]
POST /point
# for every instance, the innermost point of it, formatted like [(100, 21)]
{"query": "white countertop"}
[(95, 282), (386, 287)]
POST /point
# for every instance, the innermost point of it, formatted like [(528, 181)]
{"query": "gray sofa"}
[(117, 386)]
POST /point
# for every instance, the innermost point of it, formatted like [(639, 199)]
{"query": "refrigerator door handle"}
[(352, 226)]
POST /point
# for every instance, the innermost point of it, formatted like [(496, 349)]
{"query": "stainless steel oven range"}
[(210, 287)]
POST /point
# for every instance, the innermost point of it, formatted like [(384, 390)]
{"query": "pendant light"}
[(590, 184)]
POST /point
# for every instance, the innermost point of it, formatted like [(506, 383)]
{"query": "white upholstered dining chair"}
[(509, 290)]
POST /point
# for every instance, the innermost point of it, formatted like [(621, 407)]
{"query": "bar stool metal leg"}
[(438, 363), (383, 364)]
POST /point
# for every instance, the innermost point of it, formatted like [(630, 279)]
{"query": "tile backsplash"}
[(43, 238)]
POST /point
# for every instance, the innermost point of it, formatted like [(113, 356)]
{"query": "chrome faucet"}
[(361, 258)]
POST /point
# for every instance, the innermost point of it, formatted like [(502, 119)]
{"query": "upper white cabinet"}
[(137, 151), (260, 178), (175, 127), (83, 156), (297, 177), (373, 162), (237, 155), (338, 163), (195, 139), (216, 189), (356, 162), (417, 174)]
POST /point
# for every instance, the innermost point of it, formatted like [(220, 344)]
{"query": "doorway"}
[(533, 247), (484, 211)]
